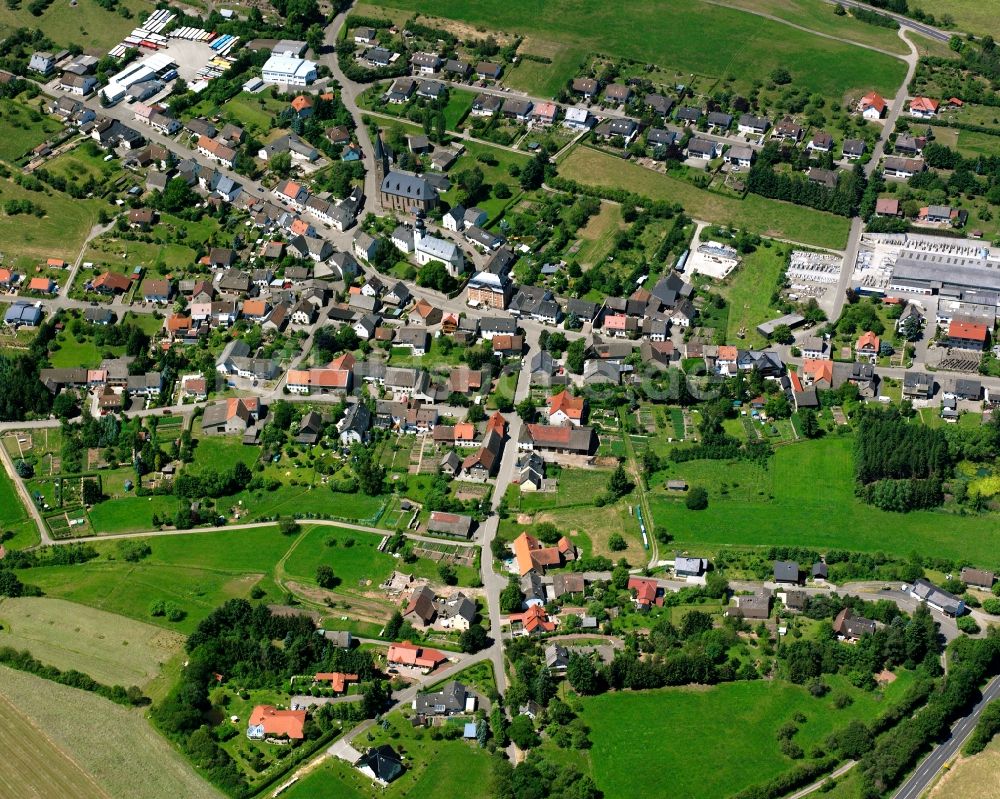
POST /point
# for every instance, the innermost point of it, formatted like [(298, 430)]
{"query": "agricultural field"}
[(681, 728), (762, 215), (678, 37), (49, 734), (110, 648), (86, 23), (433, 769), (977, 776), (791, 502), (34, 767), (29, 239)]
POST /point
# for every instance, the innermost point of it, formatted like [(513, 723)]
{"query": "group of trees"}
[(255, 649), (211, 482), (894, 753), (843, 199), (899, 466), (900, 641)]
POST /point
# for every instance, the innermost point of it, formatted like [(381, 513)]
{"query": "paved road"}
[(857, 224), (922, 778), (26, 500), (253, 526), (905, 22)]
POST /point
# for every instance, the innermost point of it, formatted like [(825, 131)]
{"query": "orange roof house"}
[(338, 680), (533, 620), (407, 654), (530, 553), (465, 431), (55, 263), (872, 102), (41, 284), (111, 281), (967, 332), (176, 323), (868, 343), (565, 408), (267, 720), (924, 106), (345, 361), (818, 371), (647, 592), (496, 424), (301, 103)]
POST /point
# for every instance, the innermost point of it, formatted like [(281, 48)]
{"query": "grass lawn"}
[(434, 769), (681, 728), (130, 513), (200, 571), (597, 237), (459, 105), (28, 239), (749, 291), (76, 352), (78, 164), (15, 515), (972, 143), (818, 16), (65, 718), (682, 37), (761, 215), (85, 23), (970, 15), (25, 127), (110, 648), (805, 497)]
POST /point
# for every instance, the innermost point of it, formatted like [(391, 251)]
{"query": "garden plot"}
[(446, 553)]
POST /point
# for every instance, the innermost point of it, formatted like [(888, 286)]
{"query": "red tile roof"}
[(568, 404), (968, 331), (872, 100), (290, 723), (337, 679), (406, 654)]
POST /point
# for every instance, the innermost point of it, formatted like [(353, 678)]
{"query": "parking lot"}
[(814, 275)]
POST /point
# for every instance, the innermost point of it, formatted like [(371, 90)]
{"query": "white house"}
[(288, 70), (430, 248)]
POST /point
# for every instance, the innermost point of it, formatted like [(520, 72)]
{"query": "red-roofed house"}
[(268, 721), (406, 654), (337, 679), (954, 102), (923, 107), (533, 620), (302, 106), (43, 284), (968, 335), (887, 206), (565, 409), (818, 372), (530, 553), (647, 592), (868, 344), (872, 106), (111, 283)]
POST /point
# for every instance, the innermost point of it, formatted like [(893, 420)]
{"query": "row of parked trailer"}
[(148, 37), (192, 34)]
